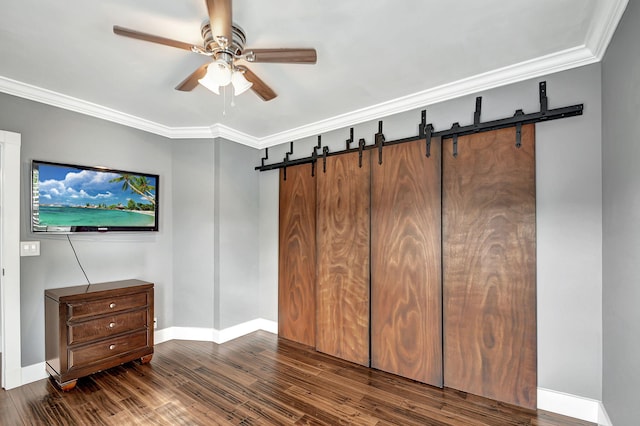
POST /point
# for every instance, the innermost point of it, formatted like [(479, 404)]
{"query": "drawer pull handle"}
[(112, 324), (112, 305), (112, 347)]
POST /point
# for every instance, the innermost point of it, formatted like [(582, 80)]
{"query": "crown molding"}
[(221, 131), (602, 30), (598, 38), (49, 97)]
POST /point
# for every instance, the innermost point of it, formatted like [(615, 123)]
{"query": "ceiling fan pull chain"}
[(233, 98), (224, 101)]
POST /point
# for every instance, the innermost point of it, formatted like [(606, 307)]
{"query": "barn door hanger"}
[(314, 155), (379, 141), (350, 140), (517, 120), (425, 131), (455, 127), (286, 160), (518, 129)]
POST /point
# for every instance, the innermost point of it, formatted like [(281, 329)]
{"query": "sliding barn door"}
[(343, 258), (489, 265), (406, 296), (297, 256)]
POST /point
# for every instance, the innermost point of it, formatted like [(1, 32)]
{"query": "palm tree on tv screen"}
[(137, 184)]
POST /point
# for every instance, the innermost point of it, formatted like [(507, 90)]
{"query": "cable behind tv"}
[(78, 260)]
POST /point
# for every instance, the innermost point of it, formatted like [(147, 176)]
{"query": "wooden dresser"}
[(90, 328)]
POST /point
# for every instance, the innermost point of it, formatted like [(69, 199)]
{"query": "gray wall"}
[(569, 214), (58, 135), (193, 233), (269, 208), (216, 234), (621, 224), (237, 233)]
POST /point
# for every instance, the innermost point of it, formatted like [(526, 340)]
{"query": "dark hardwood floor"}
[(256, 379)]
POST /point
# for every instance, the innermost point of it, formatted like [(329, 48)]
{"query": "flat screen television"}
[(72, 198)]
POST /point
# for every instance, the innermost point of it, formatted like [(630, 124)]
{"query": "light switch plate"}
[(29, 248)]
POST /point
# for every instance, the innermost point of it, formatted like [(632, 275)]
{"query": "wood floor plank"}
[(271, 410), (8, 412), (257, 379), (337, 405)]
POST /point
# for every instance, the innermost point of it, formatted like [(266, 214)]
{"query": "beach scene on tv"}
[(68, 196)]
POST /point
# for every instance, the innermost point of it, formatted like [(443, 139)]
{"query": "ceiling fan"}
[(224, 42)]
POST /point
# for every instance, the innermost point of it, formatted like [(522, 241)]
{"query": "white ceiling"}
[(375, 58)]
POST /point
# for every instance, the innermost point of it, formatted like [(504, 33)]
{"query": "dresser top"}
[(98, 289)]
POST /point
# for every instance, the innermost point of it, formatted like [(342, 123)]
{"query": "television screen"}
[(70, 198)]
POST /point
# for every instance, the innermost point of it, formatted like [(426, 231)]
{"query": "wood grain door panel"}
[(406, 295), (297, 256), (489, 266), (343, 204)]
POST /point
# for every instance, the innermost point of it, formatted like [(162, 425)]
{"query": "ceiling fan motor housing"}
[(238, 40)]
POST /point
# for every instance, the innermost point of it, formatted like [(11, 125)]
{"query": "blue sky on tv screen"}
[(69, 186)]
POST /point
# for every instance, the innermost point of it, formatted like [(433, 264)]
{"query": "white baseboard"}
[(245, 328), (163, 335), (575, 406), (185, 333), (603, 417), (213, 335), (33, 373), (556, 402)]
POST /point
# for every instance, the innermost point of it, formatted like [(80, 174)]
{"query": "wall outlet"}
[(155, 323), (29, 248)]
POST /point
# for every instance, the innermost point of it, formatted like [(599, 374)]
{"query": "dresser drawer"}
[(78, 310), (96, 329), (98, 352)]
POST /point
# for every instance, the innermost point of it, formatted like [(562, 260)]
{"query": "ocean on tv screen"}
[(93, 216)]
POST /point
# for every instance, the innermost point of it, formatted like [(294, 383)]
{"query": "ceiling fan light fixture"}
[(218, 74), (240, 83), (210, 84)]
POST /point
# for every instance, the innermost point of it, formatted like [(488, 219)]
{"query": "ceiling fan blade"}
[(299, 56), (190, 83), (259, 87), (220, 21), (152, 38)]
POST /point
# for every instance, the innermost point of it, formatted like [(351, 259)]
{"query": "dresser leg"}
[(146, 359), (67, 386)]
